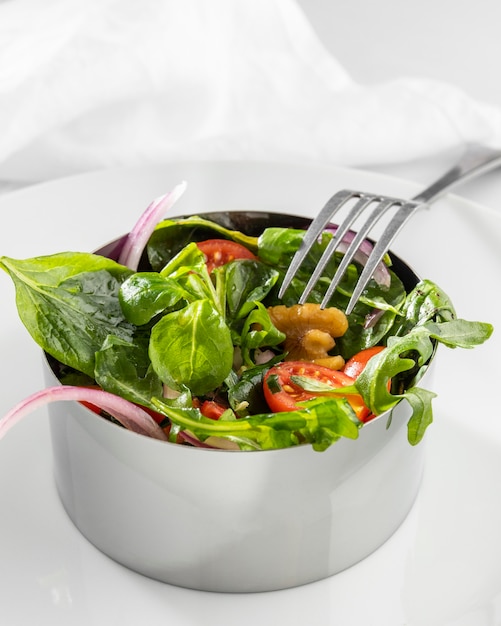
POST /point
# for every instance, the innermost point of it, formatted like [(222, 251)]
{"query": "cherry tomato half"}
[(212, 409), (282, 394), (356, 364), (221, 251)]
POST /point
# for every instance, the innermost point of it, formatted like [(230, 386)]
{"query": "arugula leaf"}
[(318, 386), (411, 354), (321, 423), (460, 333), (422, 414), (427, 301), (258, 331)]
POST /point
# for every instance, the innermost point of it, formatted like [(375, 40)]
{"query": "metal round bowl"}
[(231, 521)]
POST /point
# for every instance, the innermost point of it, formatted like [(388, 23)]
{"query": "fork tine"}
[(312, 234), (391, 231), (341, 231), (379, 210)]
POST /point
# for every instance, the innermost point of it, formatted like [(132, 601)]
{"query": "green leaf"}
[(317, 386), (192, 347), (277, 246), (422, 414), (146, 294), (124, 368), (427, 301), (247, 282), (320, 423), (188, 260), (246, 395), (69, 304), (402, 354), (189, 270), (258, 332), (171, 236), (411, 353), (460, 333)]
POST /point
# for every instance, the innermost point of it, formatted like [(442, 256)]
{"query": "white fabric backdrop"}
[(86, 84)]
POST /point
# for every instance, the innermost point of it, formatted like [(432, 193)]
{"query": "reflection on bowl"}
[(230, 521)]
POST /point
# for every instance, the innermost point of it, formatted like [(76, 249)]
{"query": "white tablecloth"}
[(87, 84)]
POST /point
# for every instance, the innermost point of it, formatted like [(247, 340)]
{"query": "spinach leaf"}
[(189, 270), (277, 246), (69, 304), (188, 260), (146, 294), (192, 347), (124, 368), (246, 282)]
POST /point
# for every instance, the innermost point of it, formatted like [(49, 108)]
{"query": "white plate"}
[(442, 567)]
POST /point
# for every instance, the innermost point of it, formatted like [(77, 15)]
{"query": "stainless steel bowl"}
[(232, 521)]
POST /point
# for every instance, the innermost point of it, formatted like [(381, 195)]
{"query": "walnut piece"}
[(310, 332)]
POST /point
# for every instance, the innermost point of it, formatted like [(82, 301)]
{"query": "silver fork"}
[(475, 160)]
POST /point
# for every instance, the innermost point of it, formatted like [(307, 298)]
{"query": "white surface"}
[(454, 42), (441, 39), (443, 566)]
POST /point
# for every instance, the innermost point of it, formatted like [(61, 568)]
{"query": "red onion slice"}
[(139, 235), (192, 440), (127, 413), (381, 275)]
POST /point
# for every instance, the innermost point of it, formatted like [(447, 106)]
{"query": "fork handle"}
[(476, 159)]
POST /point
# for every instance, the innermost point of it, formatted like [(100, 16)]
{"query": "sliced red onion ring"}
[(139, 235), (127, 413), (192, 440), (381, 274), (372, 318)]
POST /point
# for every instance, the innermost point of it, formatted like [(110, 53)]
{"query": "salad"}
[(182, 336)]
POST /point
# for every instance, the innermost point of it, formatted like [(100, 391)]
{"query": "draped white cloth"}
[(87, 84)]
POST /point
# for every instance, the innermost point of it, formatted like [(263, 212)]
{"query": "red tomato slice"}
[(282, 394), (92, 407), (212, 409), (354, 366), (221, 251), (158, 417)]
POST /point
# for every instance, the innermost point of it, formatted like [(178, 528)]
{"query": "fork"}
[(476, 160)]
